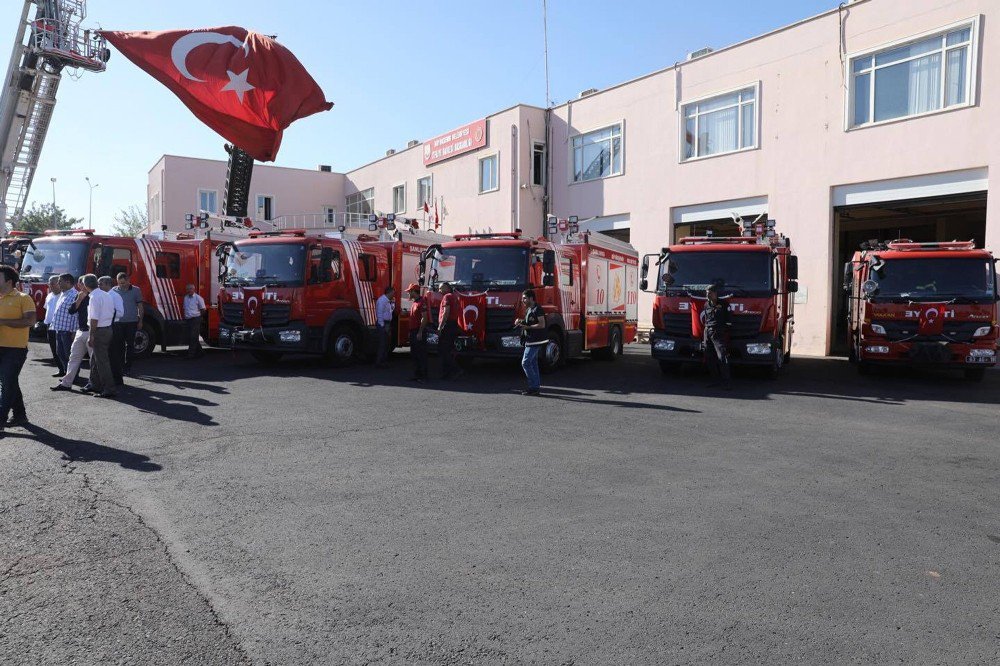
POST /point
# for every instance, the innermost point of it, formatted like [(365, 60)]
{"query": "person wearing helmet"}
[(716, 332)]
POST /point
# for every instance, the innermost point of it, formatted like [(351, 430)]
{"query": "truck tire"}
[(146, 340), (614, 348), (975, 374), (552, 355), (343, 346), (265, 357), (779, 361)]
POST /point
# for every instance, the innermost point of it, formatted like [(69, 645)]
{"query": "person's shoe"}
[(105, 395), (87, 388), (21, 420), (60, 387), (531, 392), (59, 374)]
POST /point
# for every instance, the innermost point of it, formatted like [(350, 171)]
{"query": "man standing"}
[(64, 322), (79, 348), (17, 316), (102, 315), (418, 328), (107, 285), (448, 332), (194, 308), (716, 333), (50, 311), (384, 307), (123, 341)]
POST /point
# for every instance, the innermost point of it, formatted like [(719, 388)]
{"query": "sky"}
[(396, 70)]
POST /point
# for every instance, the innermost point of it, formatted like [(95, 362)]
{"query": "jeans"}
[(122, 348), (194, 335), (64, 341), (530, 364), (446, 349), (717, 355), (11, 361), (76, 355), (418, 352), (51, 336), (100, 374), (383, 344)]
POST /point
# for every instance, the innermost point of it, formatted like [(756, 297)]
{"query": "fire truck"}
[(313, 290), (160, 268), (586, 284), (756, 274), (13, 246), (922, 304)]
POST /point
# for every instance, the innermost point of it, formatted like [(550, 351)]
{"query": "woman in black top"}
[(533, 335)]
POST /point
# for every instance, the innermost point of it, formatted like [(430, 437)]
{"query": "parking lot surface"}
[(226, 512)]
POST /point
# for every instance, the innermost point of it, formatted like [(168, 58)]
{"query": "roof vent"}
[(411, 143), (587, 93), (391, 151), (325, 168), (699, 53)]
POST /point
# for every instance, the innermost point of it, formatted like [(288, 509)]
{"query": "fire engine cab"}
[(756, 274), (314, 291), (586, 284), (922, 303)]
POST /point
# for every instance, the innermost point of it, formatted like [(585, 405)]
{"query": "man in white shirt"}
[(102, 314), (51, 300), (384, 307), (194, 308)]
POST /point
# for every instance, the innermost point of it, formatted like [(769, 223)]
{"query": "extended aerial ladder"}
[(44, 46)]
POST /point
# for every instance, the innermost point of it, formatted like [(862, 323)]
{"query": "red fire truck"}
[(13, 246), (923, 303), (160, 268), (756, 273), (585, 283), (314, 291)]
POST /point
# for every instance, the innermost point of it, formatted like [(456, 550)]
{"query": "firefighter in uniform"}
[(716, 332)]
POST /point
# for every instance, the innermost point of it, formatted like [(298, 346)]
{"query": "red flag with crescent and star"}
[(253, 306), (697, 322), (932, 319), (244, 85), (472, 315)]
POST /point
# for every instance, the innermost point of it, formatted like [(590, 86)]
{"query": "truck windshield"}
[(736, 271), (266, 264), (484, 267), (935, 279), (48, 258)]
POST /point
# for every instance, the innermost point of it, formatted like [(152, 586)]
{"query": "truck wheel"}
[(145, 341), (975, 374), (614, 348), (779, 362), (266, 357), (551, 356), (343, 346)]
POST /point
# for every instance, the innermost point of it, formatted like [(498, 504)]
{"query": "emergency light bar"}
[(910, 245)]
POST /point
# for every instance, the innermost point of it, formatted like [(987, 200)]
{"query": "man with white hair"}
[(102, 315)]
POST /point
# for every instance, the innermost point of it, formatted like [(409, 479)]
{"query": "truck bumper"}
[(979, 354), (761, 350), (506, 345), (294, 337)]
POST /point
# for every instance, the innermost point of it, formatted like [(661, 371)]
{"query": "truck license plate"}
[(979, 359)]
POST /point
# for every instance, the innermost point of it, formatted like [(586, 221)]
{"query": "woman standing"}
[(534, 338)]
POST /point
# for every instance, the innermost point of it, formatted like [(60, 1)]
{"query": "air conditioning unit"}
[(391, 151), (699, 53), (411, 143), (326, 168), (587, 93)]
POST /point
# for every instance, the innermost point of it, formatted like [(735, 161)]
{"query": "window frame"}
[(362, 197), (682, 122), (257, 207), (971, 76), (430, 200), (479, 172), (330, 214), (394, 188), (538, 180), (572, 160), (206, 190)]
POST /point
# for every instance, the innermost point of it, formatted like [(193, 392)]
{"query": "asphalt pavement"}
[(224, 512)]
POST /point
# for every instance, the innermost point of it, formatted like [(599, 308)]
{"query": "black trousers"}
[(716, 354), (122, 348), (418, 351), (11, 361), (446, 348), (53, 342), (194, 335)]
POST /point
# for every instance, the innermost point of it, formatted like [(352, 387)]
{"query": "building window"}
[(265, 207), (721, 124), (597, 154), (330, 213), (399, 199), (488, 178), (208, 200), (914, 78), (425, 191), (360, 205), (538, 164)]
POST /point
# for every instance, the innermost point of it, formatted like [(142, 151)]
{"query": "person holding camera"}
[(533, 336)]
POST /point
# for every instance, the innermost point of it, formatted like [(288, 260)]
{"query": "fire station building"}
[(880, 119)]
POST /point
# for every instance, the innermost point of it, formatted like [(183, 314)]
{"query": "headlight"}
[(290, 336), (877, 349), (664, 345), (759, 348), (878, 329), (510, 341), (224, 333), (982, 353), (432, 338), (981, 331)]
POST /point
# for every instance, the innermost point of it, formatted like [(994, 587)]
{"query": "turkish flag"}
[(932, 319), (697, 323), (253, 306), (472, 315), (243, 85)]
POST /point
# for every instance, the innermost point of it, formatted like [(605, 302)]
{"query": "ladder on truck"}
[(44, 46)]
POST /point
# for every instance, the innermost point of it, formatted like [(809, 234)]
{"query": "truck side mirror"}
[(549, 262), (222, 252), (793, 287), (98, 260), (848, 277), (792, 268)]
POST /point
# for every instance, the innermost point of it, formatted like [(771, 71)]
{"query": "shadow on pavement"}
[(168, 405), (75, 450)]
